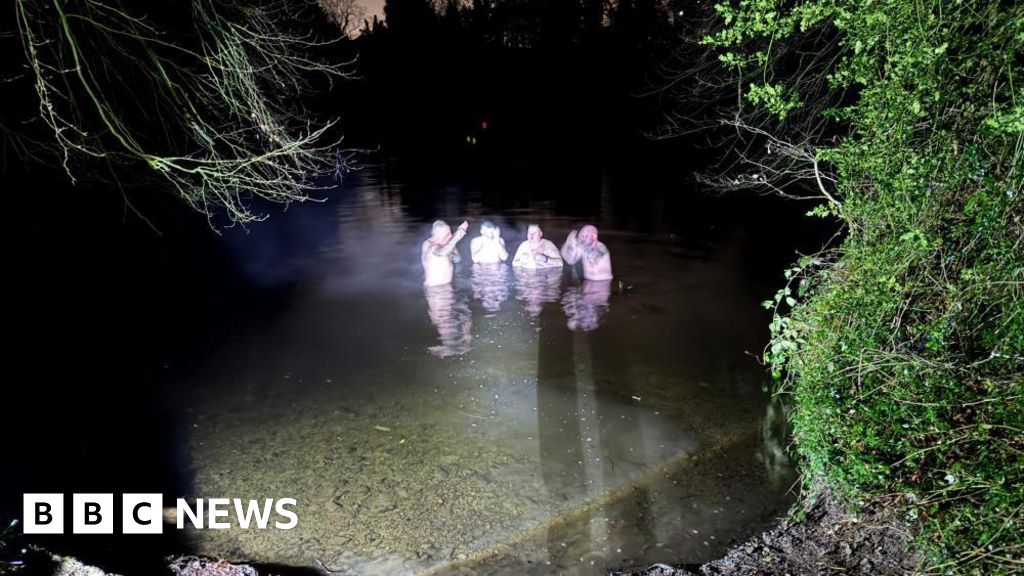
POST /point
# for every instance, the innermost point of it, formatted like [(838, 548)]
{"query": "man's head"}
[(533, 233), (440, 232), (488, 229), (588, 235)]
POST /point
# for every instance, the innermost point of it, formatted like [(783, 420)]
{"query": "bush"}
[(903, 345)]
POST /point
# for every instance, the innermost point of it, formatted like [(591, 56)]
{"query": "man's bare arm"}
[(460, 233), (570, 252), (522, 257)]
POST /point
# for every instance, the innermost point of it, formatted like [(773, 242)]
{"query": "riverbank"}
[(824, 534)]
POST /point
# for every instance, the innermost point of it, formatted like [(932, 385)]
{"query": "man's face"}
[(533, 235), (443, 235), (488, 232), (588, 235)]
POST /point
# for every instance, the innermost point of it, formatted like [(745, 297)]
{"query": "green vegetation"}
[(902, 345)]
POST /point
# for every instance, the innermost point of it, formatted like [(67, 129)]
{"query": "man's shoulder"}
[(429, 247)]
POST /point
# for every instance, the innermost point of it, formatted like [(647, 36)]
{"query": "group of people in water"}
[(537, 265), (440, 253)]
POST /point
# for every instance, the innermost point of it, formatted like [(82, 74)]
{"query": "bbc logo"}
[(143, 513), (92, 514)]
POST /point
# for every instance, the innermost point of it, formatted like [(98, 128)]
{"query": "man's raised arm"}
[(460, 233), (570, 251)]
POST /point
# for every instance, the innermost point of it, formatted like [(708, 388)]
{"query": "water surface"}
[(513, 422)]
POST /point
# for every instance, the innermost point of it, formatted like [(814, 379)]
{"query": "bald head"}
[(440, 231), (588, 235)]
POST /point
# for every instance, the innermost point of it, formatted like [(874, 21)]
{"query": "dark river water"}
[(510, 423)]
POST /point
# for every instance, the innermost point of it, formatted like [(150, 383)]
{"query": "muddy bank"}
[(822, 537)]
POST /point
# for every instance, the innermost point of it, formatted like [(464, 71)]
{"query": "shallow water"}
[(514, 422)]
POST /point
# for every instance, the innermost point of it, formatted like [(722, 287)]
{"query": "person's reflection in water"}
[(585, 305), (537, 287), (452, 318), (490, 285)]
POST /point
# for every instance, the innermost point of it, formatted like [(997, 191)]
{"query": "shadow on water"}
[(588, 434), (560, 440), (84, 413), (105, 309)]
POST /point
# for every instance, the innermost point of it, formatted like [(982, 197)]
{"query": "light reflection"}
[(451, 316), (490, 285), (535, 288), (775, 433), (585, 305)]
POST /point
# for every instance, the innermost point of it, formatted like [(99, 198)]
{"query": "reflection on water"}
[(775, 432), (490, 285), (537, 287), (586, 304), (556, 432), (450, 315)]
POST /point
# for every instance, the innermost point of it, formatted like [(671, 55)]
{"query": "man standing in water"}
[(489, 246), (584, 246), (536, 251), (439, 254)]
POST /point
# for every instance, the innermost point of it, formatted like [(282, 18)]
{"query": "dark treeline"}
[(557, 75)]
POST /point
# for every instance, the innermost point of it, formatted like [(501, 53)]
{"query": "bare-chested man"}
[(586, 248), (439, 254), (536, 251), (489, 246)]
